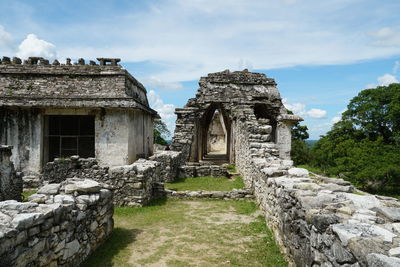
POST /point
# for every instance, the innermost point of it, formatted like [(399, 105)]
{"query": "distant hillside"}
[(311, 142)]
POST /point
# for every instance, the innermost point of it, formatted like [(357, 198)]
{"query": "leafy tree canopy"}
[(160, 132), (364, 146)]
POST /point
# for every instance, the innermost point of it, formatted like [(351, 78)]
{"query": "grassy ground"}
[(189, 233), (231, 168), (206, 183)]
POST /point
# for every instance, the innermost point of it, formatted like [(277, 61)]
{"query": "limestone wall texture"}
[(60, 226), (201, 169), (132, 185), (10, 182), (318, 221)]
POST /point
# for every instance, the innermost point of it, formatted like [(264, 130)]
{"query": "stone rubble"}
[(235, 194), (132, 185), (318, 221), (57, 227)]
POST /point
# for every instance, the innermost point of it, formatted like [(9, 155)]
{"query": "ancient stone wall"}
[(201, 169), (133, 185), (60, 226), (317, 221), (235, 194), (10, 182), (29, 83)]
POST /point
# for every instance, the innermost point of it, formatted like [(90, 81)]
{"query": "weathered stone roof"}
[(239, 77), (36, 83)]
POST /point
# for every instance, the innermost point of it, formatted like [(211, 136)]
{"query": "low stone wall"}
[(171, 162), (317, 221), (234, 194), (60, 226), (10, 182), (133, 185), (201, 169)]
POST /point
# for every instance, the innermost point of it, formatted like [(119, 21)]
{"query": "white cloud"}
[(5, 37), (336, 119), (300, 109), (159, 84), (316, 113), (289, 1), (32, 46), (396, 67), (387, 79), (166, 111), (213, 35), (386, 37), (383, 80)]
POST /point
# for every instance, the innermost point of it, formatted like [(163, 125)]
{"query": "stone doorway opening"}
[(216, 135), (68, 135)]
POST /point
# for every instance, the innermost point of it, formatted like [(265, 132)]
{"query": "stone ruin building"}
[(50, 111), (236, 118), (207, 128)]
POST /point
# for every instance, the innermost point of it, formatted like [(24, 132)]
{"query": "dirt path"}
[(192, 233)]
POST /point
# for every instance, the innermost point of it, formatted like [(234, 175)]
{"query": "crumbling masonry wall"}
[(132, 185), (231, 93), (60, 226), (317, 221), (10, 182)]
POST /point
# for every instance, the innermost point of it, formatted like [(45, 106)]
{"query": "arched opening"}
[(267, 116), (215, 138)]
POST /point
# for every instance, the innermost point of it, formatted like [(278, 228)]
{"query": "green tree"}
[(160, 132), (300, 151), (364, 146)]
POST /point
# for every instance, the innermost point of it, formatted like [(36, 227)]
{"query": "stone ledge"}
[(234, 194)]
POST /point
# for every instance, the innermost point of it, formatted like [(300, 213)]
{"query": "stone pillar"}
[(284, 134), (10, 183)]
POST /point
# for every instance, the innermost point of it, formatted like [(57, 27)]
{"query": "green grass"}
[(231, 168), (27, 193), (359, 193), (206, 183), (189, 233)]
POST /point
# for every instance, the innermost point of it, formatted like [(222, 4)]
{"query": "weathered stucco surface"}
[(31, 91), (10, 182)]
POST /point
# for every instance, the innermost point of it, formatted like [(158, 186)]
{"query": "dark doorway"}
[(69, 135), (214, 135)]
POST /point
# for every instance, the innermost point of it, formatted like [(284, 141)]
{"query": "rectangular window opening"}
[(68, 135)]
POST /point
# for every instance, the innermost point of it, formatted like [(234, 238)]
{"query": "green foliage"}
[(160, 131), (206, 183), (364, 146), (27, 193), (231, 168), (300, 151)]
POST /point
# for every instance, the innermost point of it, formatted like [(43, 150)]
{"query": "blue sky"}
[(321, 53)]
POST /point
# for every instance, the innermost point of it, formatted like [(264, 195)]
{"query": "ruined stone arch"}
[(204, 125)]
